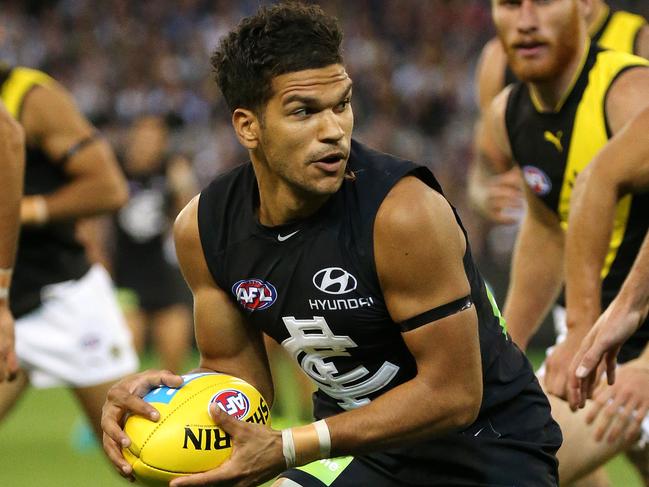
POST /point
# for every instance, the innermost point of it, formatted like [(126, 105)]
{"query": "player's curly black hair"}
[(276, 40)]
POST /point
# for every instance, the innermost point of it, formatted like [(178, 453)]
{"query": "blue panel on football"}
[(164, 394)]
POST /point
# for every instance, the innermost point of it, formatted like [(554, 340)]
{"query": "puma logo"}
[(555, 140)]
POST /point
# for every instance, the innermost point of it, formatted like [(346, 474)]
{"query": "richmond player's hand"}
[(601, 346), (256, 455), (501, 199), (8, 358), (620, 409), (557, 365), (125, 397)]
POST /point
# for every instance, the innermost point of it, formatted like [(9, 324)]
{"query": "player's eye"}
[(343, 105)]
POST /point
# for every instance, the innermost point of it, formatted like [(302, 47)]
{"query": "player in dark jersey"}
[(354, 261), (160, 185), (597, 191), (496, 192), (68, 327), (575, 97), (11, 190)]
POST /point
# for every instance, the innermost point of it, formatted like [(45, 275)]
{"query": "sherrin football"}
[(185, 439)]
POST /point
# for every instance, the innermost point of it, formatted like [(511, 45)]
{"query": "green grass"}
[(38, 447)]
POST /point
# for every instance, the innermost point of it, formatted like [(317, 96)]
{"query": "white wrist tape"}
[(324, 438), (5, 280), (288, 448)]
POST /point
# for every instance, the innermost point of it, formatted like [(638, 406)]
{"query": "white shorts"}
[(561, 331), (78, 336)]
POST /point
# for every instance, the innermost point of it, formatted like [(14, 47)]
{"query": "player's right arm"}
[(597, 191), (12, 157), (494, 185), (225, 341)]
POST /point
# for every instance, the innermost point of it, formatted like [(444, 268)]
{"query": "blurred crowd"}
[(412, 62)]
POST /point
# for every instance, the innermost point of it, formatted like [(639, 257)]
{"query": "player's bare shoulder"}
[(188, 245), (490, 73), (627, 97)]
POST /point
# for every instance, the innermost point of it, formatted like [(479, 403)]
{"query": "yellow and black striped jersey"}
[(552, 148), (49, 253)]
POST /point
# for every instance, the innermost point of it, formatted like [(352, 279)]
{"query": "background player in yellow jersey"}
[(580, 96), (11, 188), (496, 192), (69, 330), (598, 189)]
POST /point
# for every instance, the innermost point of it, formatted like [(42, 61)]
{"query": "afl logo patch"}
[(334, 280), (233, 402), (537, 180), (254, 294)]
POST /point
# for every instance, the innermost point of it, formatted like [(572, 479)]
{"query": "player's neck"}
[(549, 96), (597, 16), (280, 204)]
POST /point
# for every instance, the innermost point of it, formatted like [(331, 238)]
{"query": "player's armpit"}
[(226, 341)]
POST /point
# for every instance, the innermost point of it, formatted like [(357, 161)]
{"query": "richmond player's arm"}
[(12, 155), (536, 265), (225, 340), (53, 123), (494, 183), (597, 190)]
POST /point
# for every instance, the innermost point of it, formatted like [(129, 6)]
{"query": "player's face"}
[(147, 143), (306, 129), (540, 37)]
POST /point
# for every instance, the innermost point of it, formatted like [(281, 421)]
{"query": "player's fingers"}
[(597, 404), (224, 421), (622, 420), (12, 363), (151, 379), (611, 365), (606, 418), (126, 401), (111, 428), (114, 454), (637, 417)]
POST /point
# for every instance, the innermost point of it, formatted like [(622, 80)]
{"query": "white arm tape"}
[(288, 448), (324, 438)]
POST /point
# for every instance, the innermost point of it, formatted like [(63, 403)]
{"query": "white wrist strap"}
[(288, 448), (5, 280), (324, 438)]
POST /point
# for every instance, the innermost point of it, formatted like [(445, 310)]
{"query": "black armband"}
[(437, 313), (77, 147)]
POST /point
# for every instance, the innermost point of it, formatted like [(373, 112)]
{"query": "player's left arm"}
[(419, 249), (95, 183)]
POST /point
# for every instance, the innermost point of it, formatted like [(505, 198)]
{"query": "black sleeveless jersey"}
[(50, 253), (552, 148), (142, 226), (312, 286)]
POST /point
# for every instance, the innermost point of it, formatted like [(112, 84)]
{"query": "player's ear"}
[(246, 125)]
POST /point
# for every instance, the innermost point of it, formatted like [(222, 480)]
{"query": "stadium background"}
[(412, 62)]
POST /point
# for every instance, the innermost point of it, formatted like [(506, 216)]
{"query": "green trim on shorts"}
[(496, 310), (328, 469), (128, 299)]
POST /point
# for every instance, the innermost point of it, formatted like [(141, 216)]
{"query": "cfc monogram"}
[(313, 340)]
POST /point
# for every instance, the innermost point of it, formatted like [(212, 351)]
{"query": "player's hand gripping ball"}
[(185, 440)]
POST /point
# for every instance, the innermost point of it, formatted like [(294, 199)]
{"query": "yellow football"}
[(185, 440)]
